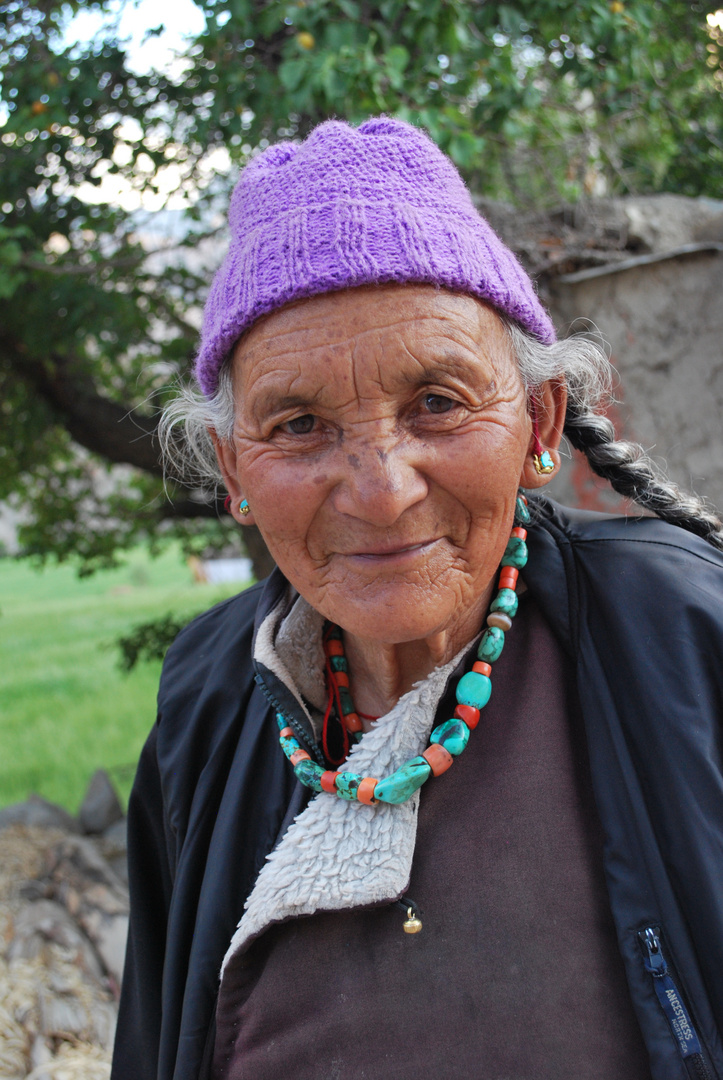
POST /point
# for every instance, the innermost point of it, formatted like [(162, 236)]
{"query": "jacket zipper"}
[(293, 723), (672, 1004)]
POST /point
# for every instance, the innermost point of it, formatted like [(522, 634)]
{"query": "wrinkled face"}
[(381, 436)]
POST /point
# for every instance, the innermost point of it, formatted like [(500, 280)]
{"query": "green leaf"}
[(291, 72), (397, 58)]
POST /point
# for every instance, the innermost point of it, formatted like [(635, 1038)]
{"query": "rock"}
[(37, 811), (39, 926), (100, 808), (113, 845), (115, 838), (109, 935), (84, 882), (658, 223), (712, 228)]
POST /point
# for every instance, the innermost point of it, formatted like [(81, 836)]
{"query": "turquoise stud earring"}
[(244, 507)]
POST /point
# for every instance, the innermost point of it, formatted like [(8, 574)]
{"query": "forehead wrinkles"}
[(358, 353), (266, 381)]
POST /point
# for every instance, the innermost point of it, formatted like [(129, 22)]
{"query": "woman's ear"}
[(227, 463), (547, 407)]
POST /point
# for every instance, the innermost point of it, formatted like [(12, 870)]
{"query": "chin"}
[(393, 622)]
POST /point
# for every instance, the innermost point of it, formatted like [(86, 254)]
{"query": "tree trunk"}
[(259, 554)]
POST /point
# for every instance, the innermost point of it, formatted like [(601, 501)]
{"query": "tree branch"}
[(115, 431)]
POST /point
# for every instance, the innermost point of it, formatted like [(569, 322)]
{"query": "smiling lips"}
[(392, 552)]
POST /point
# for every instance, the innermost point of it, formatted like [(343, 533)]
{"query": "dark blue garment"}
[(637, 604)]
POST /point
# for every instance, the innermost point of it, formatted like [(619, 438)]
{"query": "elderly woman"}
[(449, 706)]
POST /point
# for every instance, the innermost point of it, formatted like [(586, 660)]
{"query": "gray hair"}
[(580, 360), (184, 427)]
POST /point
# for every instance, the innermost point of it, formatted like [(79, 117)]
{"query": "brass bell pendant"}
[(412, 924)]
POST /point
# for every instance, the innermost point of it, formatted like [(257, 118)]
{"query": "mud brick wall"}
[(664, 324)]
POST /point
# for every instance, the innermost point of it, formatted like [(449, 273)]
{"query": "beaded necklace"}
[(449, 738)]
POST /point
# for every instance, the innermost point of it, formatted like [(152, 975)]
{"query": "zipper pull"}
[(676, 1013), (654, 960)]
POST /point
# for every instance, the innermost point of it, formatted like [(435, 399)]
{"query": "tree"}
[(537, 101)]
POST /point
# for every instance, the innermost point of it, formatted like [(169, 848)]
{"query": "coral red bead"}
[(342, 679), (352, 722), (365, 791), (469, 714), (287, 731), (328, 782), (299, 755), (519, 532), (334, 648), (438, 759), (482, 668), (508, 577)]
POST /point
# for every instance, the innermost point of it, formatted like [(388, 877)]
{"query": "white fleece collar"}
[(339, 854), (288, 643)]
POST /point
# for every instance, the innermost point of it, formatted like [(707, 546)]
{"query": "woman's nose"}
[(378, 481)]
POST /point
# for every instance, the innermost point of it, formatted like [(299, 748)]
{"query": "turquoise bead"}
[(453, 735), (398, 787), (505, 601), (491, 645), (347, 784), (347, 705), (522, 514), (310, 774), (474, 689), (338, 663), (289, 744), (281, 721), (515, 553)]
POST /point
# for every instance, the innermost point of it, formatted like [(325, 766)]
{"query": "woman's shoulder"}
[(634, 537), (616, 574), (212, 645), (229, 616)]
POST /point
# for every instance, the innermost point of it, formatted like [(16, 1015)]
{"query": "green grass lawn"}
[(66, 708)]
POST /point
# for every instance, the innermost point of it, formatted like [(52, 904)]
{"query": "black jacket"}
[(638, 605)]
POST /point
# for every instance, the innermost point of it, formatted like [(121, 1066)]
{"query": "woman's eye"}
[(300, 425), (437, 403)]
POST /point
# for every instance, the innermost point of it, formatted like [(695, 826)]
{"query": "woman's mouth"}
[(393, 552)]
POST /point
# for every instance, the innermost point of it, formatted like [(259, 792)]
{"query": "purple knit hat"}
[(355, 206)]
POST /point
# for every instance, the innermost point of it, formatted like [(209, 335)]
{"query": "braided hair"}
[(625, 465)]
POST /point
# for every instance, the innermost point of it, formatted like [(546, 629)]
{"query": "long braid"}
[(633, 473), (625, 465)]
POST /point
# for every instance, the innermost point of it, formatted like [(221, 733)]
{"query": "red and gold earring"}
[(244, 507), (541, 457)]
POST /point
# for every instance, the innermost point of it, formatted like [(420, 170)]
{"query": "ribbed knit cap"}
[(355, 206)]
